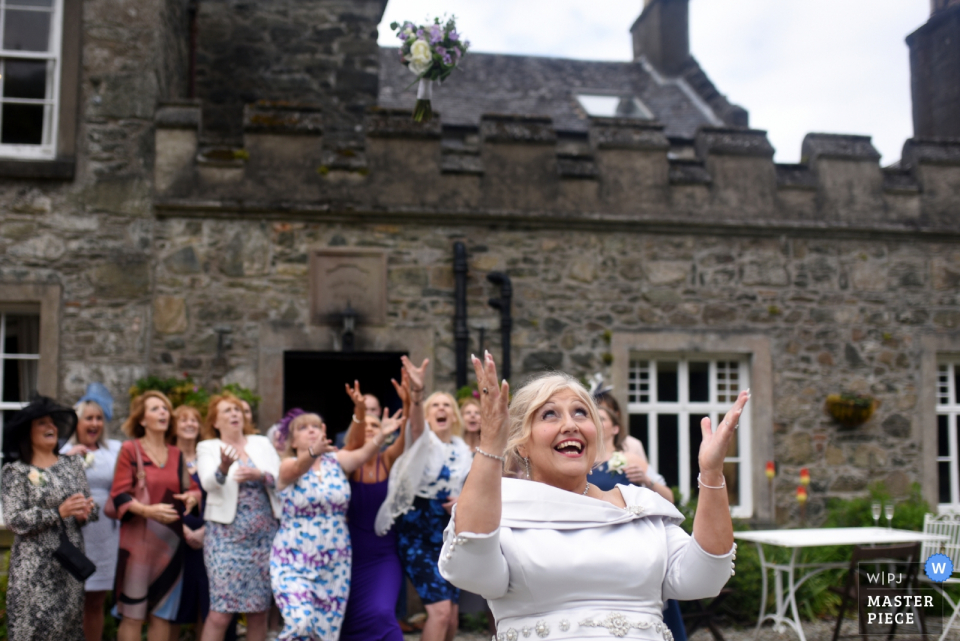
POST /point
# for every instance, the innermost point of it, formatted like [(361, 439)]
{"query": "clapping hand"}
[(78, 449), (714, 446), (77, 506), (228, 456), (189, 500), (247, 473), (161, 512)]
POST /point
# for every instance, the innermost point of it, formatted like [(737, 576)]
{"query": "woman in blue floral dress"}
[(311, 557)]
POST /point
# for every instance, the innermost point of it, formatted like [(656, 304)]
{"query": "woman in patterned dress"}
[(238, 469), (310, 561), (424, 485), (150, 561), (41, 490), (101, 538)]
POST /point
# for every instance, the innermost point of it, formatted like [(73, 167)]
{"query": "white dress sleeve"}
[(693, 573), (474, 562)]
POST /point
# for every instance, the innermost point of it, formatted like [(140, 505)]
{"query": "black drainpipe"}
[(461, 334), (506, 319)]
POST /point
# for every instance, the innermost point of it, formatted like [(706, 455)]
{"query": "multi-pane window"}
[(948, 458), (29, 77), (667, 398), (19, 360)]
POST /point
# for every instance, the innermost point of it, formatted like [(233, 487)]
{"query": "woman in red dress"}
[(149, 506)]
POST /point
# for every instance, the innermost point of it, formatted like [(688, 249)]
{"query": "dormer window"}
[(611, 106)]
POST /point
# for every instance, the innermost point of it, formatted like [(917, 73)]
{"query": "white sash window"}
[(948, 458), (667, 398), (30, 43)]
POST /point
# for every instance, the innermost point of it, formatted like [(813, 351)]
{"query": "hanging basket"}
[(851, 410)]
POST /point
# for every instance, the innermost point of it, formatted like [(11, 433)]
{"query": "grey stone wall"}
[(93, 234), (841, 315), (322, 52)]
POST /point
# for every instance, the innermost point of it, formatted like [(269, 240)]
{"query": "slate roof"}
[(532, 85)]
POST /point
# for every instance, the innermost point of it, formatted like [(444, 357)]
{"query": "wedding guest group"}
[(196, 519)]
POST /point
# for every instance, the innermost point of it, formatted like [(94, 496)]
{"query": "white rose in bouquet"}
[(420, 57)]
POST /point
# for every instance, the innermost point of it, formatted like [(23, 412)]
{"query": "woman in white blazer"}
[(547, 551), (238, 469)]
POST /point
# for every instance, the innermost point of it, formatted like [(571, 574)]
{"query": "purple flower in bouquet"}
[(431, 52)]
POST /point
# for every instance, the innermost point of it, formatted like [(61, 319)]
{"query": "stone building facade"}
[(658, 244)]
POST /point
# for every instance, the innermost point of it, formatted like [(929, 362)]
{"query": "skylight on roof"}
[(614, 106)]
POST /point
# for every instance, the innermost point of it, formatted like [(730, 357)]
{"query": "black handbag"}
[(71, 558)]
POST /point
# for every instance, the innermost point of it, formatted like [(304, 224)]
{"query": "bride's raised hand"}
[(494, 400), (714, 446)]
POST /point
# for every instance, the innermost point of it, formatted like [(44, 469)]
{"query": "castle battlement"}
[(523, 169)]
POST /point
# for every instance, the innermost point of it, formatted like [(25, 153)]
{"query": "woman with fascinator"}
[(102, 538), (42, 493), (546, 551)]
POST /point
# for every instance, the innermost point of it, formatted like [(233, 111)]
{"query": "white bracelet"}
[(355, 419), (712, 487), (502, 459)]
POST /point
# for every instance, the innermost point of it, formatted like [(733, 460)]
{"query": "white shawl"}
[(405, 478)]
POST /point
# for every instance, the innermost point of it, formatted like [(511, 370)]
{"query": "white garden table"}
[(796, 574)]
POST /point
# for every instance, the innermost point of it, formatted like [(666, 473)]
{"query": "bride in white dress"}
[(547, 552)]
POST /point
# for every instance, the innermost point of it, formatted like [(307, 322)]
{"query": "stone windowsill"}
[(59, 169)]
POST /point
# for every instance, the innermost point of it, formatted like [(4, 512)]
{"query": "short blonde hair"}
[(534, 395), (80, 408), (295, 424), (457, 428)]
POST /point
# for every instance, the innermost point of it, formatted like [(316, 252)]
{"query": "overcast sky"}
[(798, 66)]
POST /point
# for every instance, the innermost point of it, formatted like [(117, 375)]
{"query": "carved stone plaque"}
[(342, 276)]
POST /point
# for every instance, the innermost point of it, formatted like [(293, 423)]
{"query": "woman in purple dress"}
[(377, 574)]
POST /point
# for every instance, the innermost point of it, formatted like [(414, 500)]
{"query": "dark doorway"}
[(313, 381)]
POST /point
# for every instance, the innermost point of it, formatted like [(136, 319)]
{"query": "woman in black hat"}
[(41, 490)]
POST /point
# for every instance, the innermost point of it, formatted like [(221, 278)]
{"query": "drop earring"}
[(526, 463)]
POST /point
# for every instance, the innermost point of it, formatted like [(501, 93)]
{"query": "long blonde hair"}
[(457, 427), (534, 395)]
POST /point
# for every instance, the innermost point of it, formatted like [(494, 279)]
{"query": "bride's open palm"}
[(715, 444)]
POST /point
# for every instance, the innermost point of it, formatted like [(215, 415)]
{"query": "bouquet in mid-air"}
[(432, 52)]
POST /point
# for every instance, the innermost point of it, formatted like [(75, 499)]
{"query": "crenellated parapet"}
[(522, 168)]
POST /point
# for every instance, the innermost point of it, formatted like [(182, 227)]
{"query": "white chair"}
[(947, 524)]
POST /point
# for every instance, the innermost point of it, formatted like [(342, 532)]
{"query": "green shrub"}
[(185, 391)]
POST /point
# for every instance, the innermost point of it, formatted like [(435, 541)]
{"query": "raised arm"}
[(392, 453), (352, 460), (479, 505), (354, 439), (416, 378), (294, 467), (712, 527)]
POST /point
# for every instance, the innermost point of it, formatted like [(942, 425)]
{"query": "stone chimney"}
[(935, 72), (662, 35), (939, 5)]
